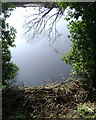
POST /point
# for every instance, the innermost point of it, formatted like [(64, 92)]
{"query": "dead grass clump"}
[(50, 101)]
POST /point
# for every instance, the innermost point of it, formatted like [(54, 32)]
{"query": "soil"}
[(54, 101)]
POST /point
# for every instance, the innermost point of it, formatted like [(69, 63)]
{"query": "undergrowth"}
[(70, 99)]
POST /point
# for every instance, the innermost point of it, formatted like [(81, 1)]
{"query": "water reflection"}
[(39, 61)]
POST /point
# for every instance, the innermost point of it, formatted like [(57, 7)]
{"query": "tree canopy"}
[(82, 24), (9, 69)]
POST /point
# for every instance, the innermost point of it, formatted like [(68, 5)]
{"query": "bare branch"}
[(47, 12), (41, 20)]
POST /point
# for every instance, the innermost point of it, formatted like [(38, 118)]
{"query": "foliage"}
[(82, 56), (85, 111), (9, 69), (20, 116)]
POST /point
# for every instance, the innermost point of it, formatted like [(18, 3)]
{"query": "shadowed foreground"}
[(55, 101)]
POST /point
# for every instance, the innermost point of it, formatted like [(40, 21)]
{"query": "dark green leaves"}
[(9, 69), (82, 55)]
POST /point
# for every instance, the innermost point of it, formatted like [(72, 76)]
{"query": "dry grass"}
[(49, 101)]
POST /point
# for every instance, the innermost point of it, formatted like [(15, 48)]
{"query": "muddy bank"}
[(50, 101)]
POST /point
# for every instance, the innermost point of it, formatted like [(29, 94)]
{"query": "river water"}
[(39, 59)]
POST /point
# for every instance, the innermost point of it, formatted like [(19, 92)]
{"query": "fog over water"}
[(39, 59)]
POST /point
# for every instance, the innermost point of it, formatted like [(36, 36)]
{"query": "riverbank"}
[(54, 101)]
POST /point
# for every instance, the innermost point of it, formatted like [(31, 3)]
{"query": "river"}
[(39, 59)]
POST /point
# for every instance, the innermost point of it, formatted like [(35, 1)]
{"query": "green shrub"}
[(85, 111)]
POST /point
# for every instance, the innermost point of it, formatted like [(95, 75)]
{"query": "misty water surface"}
[(39, 59)]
